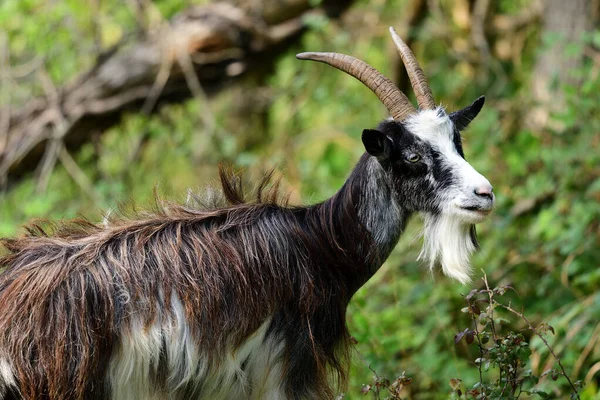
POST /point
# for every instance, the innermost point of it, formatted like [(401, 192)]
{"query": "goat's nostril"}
[(484, 190)]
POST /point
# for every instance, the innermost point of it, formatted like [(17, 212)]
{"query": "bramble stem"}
[(524, 318)]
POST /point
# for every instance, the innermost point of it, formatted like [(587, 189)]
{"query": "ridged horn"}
[(415, 74), (392, 98)]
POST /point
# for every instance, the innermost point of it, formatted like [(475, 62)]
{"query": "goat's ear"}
[(462, 118), (377, 143)]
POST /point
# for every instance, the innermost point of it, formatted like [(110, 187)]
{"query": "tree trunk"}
[(564, 25)]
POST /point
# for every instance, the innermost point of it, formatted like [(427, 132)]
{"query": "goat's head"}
[(421, 153)]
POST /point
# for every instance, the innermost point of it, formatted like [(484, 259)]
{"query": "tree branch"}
[(199, 52)]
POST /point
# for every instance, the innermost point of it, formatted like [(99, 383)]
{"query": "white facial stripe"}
[(436, 128), (469, 177), (447, 239), (433, 126)]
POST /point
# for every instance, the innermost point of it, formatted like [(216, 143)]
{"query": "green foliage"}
[(543, 238), (501, 360), (503, 357)]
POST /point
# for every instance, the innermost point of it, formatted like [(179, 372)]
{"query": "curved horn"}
[(392, 98), (415, 73)]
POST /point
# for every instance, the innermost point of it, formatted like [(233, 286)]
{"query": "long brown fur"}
[(68, 292)]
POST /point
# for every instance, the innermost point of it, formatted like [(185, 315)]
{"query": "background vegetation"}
[(305, 120)]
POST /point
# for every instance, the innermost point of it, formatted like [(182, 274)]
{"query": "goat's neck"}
[(377, 209)]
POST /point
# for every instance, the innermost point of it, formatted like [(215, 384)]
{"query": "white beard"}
[(447, 240)]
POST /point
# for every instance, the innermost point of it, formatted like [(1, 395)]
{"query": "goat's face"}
[(423, 157), (421, 153)]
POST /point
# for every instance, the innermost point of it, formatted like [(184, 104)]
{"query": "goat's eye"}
[(413, 157)]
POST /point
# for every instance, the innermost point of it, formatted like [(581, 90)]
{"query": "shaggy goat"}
[(240, 301)]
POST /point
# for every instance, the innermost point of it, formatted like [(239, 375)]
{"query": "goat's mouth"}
[(473, 213), (477, 209)]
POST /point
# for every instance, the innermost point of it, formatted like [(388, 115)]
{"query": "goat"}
[(245, 300)]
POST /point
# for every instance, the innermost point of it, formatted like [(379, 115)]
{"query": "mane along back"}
[(84, 285)]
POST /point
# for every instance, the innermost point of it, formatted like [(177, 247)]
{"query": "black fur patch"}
[(413, 190)]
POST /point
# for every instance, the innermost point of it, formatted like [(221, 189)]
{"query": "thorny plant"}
[(381, 385), (508, 353)]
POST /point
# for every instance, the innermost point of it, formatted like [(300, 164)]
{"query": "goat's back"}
[(184, 304)]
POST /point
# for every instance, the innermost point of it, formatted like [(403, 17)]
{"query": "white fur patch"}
[(436, 128), (136, 357), (134, 364), (446, 235), (7, 377), (265, 371), (447, 240), (433, 126)]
